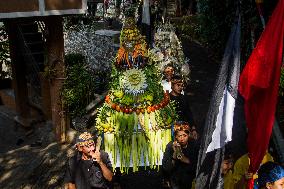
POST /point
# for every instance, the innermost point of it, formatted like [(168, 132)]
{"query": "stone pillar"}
[(55, 49), (18, 74)]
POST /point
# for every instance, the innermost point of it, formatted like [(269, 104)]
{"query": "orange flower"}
[(122, 54)]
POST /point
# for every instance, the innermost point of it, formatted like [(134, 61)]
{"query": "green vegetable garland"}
[(137, 115)]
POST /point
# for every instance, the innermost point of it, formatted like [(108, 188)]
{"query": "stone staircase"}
[(114, 34)]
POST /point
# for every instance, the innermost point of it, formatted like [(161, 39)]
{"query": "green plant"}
[(215, 20), (212, 24), (188, 27), (79, 87), (5, 61), (49, 73)]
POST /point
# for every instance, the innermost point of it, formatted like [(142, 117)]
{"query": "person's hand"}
[(176, 145), (174, 155), (96, 156), (194, 133), (175, 148), (184, 159), (248, 175)]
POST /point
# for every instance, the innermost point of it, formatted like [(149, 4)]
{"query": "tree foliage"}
[(212, 24), (80, 85), (215, 22), (5, 61)]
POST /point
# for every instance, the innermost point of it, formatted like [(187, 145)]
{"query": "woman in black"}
[(179, 159)]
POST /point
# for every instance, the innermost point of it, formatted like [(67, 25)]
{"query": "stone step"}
[(109, 33), (114, 34), (116, 46)]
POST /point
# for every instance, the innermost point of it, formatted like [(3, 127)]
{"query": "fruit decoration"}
[(137, 115)]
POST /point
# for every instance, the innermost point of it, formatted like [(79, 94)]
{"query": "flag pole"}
[(259, 5)]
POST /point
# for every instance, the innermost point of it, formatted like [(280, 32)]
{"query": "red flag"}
[(259, 84)]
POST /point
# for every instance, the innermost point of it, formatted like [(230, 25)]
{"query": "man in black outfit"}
[(182, 103), (90, 168)]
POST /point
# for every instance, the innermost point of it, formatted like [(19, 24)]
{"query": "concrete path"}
[(26, 165)]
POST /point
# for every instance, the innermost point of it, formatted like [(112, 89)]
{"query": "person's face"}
[(182, 138), (86, 149), (226, 166), (279, 184), (169, 72), (177, 87)]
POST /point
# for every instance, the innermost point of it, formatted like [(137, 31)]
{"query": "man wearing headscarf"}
[(90, 168)]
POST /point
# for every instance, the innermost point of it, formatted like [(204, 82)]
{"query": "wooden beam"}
[(18, 6), (18, 72), (35, 8), (55, 48), (63, 4)]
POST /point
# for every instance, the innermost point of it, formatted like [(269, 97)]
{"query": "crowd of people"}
[(91, 167)]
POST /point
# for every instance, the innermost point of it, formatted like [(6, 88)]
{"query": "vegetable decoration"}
[(137, 115), (167, 50), (133, 48)]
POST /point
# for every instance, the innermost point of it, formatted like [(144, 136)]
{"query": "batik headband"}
[(84, 139), (181, 126)]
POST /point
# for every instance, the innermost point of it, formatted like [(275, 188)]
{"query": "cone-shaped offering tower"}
[(167, 50), (137, 114)]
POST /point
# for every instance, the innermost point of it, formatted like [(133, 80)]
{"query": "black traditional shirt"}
[(183, 108), (87, 174), (181, 174)]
